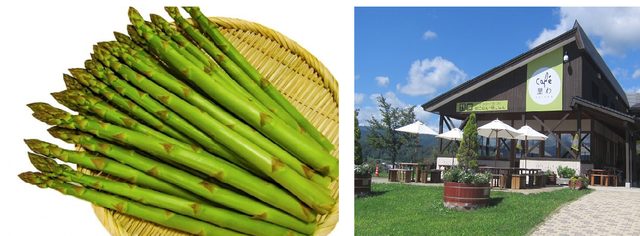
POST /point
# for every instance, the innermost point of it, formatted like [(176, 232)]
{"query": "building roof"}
[(574, 34), (634, 100)]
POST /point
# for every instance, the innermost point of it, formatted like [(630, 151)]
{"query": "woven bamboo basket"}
[(304, 81)]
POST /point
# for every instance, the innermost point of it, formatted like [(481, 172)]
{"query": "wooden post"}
[(440, 140), (627, 149), (579, 129)]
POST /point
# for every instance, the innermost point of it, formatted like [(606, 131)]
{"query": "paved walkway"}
[(606, 211)]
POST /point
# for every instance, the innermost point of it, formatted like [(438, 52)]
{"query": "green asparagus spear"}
[(202, 211), (175, 120), (208, 64), (148, 213), (108, 166), (230, 51), (300, 186), (86, 79), (206, 189), (235, 72), (218, 113), (272, 127), (73, 84), (211, 166)]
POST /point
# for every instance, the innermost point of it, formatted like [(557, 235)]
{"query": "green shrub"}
[(566, 172)]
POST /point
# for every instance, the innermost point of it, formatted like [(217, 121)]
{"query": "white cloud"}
[(358, 98), (618, 28), (429, 34), (356, 77), (426, 76), (422, 115), (382, 81), (634, 89), (636, 74), (367, 112)]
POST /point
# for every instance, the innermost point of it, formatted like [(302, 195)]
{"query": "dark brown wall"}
[(572, 75), (590, 71), (508, 87)]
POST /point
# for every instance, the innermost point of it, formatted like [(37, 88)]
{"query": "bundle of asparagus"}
[(194, 136)]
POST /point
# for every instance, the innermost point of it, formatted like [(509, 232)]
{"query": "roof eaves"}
[(500, 70)]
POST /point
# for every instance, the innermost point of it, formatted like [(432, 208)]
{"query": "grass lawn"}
[(403, 209)]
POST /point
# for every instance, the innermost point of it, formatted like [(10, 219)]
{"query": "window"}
[(550, 146), (605, 100)]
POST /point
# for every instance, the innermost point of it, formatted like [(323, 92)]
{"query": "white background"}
[(41, 40)]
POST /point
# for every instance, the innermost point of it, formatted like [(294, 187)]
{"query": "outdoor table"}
[(416, 168), (603, 174)]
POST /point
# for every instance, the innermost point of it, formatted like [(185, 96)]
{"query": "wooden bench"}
[(593, 178), (498, 180), (518, 181), (436, 176), (405, 175), (393, 175)]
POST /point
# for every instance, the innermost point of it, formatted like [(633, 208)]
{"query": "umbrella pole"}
[(497, 149), (416, 148), (525, 151)]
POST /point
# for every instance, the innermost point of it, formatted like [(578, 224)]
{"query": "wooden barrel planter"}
[(466, 196), (362, 184)]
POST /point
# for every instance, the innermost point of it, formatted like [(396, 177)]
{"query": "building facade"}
[(561, 88)]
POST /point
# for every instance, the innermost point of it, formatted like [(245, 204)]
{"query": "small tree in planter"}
[(465, 187), (362, 173)]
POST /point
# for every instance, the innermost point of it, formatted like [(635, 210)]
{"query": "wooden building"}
[(561, 88)]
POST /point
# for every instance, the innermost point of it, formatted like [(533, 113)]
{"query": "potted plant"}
[(362, 177), (465, 186), (580, 182), (551, 177), (565, 174)]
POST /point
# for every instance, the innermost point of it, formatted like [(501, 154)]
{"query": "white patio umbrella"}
[(527, 133), (417, 128), (455, 134), (497, 129)]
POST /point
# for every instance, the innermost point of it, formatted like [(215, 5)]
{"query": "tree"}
[(468, 152), (383, 134), (357, 156)]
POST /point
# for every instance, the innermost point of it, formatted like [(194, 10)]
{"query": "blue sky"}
[(411, 55)]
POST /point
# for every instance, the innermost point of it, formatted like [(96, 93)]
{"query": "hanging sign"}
[(482, 106), (638, 147), (544, 82)]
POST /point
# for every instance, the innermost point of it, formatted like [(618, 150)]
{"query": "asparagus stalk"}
[(230, 51), (165, 27), (300, 186), (208, 64), (202, 211), (218, 113), (272, 127), (234, 71), (175, 120), (86, 79), (78, 101), (108, 166), (196, 185), (211, 166), (72, 84), (148, 213)]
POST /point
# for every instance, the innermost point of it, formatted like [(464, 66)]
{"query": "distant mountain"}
[(426, 145)]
